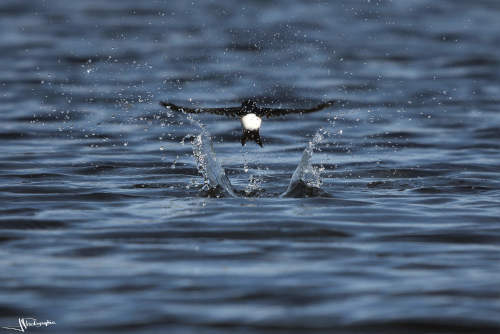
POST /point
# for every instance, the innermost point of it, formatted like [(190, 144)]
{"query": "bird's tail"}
[(251, 135)]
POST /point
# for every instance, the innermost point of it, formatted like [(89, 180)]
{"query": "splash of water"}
[(216, 181), (306, 179), (254, 187)]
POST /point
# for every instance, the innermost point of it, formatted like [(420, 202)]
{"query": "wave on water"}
[(305, 182)]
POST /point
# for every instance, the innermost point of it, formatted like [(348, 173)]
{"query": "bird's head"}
[(249, 105)]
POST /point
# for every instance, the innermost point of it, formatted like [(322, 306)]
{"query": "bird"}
[(250, 115)]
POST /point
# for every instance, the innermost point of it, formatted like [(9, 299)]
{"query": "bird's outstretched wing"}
[(231, 111), (271, 112)]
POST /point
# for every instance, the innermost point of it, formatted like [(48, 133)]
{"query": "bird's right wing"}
[(231, 111)]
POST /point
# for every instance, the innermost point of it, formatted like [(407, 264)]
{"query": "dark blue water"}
[(107, 220)]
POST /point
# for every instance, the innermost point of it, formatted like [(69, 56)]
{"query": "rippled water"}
[(109, 223)]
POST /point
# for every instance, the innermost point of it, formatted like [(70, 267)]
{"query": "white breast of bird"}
[(251, 122)]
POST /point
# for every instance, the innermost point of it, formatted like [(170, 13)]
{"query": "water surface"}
[(108, 223)]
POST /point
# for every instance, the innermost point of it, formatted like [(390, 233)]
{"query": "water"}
[(386, 220)]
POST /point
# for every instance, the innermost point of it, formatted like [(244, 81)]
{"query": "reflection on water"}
[(384, 220)]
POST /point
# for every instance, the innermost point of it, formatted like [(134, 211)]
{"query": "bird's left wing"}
[(271, 112), (231, 111)]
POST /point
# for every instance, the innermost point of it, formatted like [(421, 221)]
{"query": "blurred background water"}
[(105, 222)]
